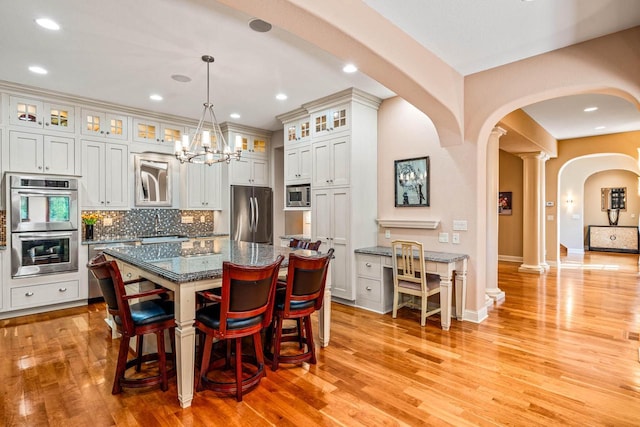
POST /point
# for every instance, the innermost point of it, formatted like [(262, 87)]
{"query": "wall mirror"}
[(614, 198), (152, 180)]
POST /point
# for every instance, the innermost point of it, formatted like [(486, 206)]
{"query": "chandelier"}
[(208, 144)]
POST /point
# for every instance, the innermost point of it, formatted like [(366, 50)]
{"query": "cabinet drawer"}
[(368, 266), (50, 293), (369, 293)]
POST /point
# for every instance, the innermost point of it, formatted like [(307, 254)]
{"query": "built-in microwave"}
[(298, 196)]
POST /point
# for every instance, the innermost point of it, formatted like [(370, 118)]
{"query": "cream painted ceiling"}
[(122, 51)]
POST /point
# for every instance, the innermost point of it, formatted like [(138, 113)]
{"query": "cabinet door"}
[(341, 285), (213, 196), (291, 165), (321, 214), (117, 176), (26, 152), (195, 186), (59, 155), (59, 117), (25, 112), (259, 172), (169, 134), (305, 163), (93, 175), (340, 161), (146, 130), (321, 171), (116, 126), (241, 171)]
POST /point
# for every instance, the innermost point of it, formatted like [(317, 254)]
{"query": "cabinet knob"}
[(107, 132), (46, 124), (102, 131), (128, 275), (40, 123), (368, 264), (40, 167), (28, 294), (368, 288), (62, 290), (108, 201), (46, 168), (102, 202)]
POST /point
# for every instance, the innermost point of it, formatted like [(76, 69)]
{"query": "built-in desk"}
[(374, 287)]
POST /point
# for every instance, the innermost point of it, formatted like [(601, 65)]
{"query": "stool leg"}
[(257, 345), (162, 360), (277, 336), (204, 364), (121, 366), (309, 338), (139, 340), (238, 369)]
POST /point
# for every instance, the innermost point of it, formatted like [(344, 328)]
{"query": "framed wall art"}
[(412, 182), (504, 203)]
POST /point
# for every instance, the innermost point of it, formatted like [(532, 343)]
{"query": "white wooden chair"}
[(409, 277)]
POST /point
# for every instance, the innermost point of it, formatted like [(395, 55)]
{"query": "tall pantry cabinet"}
[(343, 180)]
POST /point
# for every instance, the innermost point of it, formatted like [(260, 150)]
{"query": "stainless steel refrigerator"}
[(251, 214)]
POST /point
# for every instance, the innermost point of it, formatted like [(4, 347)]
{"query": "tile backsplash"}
[(143, 222)]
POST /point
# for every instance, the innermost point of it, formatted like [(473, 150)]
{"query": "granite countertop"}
[(296, 236), (428, 255), (198, 259), (130, 239)]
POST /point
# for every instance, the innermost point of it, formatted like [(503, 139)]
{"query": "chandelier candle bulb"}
[(206, 138), (238, 143)]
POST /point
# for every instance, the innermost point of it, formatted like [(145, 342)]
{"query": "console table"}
[(613, 238), (374, 281)]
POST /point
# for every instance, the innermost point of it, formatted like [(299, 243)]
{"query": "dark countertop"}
[(428, 255), (296, 236), (198, 259)]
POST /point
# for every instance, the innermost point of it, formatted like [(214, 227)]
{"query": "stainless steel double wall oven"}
[(44, 225)]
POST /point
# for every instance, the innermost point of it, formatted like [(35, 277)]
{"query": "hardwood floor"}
[(562, 349)]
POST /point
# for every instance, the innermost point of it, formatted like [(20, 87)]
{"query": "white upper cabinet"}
[(170, 133), (298, 164), (331, 120), (146, 130), (252, 146), (105, 175), (331, 162), (37, 153), (37, 114), (202, 186), (248, 171), (104, 124), (298, 131)]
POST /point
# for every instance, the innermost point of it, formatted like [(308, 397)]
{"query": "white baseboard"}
[(510, 258), (475, 316), (576, 251)]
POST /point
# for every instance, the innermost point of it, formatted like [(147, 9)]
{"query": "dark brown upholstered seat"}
[(244, 307), (152, 316), (302, 295)]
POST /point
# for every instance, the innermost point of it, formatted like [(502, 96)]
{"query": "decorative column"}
[(493, 292), (543, 213), (532, 215)]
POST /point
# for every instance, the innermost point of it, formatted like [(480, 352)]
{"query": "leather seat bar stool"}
[(302, 295), (151, 316), (244, 307)]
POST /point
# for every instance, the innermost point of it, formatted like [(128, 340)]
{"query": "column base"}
[(496, 294), (546, 266), (488, 301), (525, 268)]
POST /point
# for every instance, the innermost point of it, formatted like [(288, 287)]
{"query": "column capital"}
[(540, 155), (497, 131)]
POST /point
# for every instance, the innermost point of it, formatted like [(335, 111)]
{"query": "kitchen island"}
[(194, 265)]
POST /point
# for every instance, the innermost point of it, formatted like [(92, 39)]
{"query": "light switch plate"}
[(443, 237), (107, 222), (387, 234), (455, 238), (187, 219)]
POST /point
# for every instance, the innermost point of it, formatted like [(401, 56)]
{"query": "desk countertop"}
[(428, 255), (198, 259)]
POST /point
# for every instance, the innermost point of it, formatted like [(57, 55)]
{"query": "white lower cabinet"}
[(105, 175), (44, 294), (330, 225), (372, 284), (37, 153)]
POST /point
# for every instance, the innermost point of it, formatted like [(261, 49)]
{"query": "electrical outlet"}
[(201, 218), (455, 238), (443, 237), (187, 219), (107, 222), (387, 234)]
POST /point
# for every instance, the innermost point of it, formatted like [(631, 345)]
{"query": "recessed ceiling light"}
[(350, 68), (38, 70), (259, 25), (155, 97), (234, 115), (599, 127), (181, 78), (590, 109), (47, 23), (281, 97)]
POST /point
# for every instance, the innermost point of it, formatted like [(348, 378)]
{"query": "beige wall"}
[(593, 215), (510, 226)]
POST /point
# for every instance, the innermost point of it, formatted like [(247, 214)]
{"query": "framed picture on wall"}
[(504, 203), (412, 182)]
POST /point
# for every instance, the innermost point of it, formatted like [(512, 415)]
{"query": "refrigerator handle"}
[(255, 225), (252, 214)]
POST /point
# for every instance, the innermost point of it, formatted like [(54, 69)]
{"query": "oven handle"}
[(46, 235), (50, 192)]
